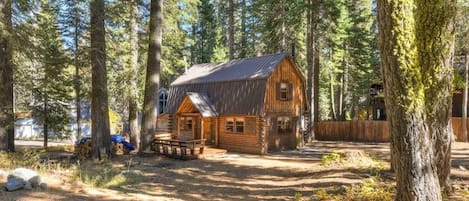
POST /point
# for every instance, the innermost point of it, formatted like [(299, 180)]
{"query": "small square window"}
[(234, 125), (186, 123), (229, 125), (284, 124), (239, 126), (189, 124), (283, 91)]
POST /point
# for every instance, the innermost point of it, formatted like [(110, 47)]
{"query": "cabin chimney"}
[(293, 47)]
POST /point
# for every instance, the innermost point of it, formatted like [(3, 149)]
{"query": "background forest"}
[(333, 41)]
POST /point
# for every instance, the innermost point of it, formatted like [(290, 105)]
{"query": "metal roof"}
[(202, 103), (240, 69), (242, 97)]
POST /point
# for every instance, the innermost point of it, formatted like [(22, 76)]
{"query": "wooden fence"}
[(365, 131)]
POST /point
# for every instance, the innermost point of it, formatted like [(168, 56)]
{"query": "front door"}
[(186, 127), (209, 130)]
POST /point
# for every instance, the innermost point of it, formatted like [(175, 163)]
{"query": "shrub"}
[(372, 189), (331, 158)]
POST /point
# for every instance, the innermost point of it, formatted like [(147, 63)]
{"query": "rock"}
[(14, 184), (354, 154), (28, 186), (3, 174), (462, 168), (22, 173), (36, 180), (43, 186), (29, 177)]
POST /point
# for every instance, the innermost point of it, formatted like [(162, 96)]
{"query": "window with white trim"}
[(234, 125), (284, 124)]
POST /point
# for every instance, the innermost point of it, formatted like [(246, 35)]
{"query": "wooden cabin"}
[(251, 105)]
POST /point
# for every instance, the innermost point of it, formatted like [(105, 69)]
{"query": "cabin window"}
[(234, 125), (229, 125), (284, 124), (162, 100), (284, 90), (186, 123), (239, 126)]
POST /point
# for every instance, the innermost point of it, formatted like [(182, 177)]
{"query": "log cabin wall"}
[(247, 141), (291, 107)]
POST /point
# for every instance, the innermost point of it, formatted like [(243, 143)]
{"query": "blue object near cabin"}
[(114, 138)]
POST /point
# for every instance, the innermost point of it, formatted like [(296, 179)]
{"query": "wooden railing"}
[(366, 131)]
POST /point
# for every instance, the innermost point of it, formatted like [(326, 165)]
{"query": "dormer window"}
[(284, 91)]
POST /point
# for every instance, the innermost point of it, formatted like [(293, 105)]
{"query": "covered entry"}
[(196, 118)]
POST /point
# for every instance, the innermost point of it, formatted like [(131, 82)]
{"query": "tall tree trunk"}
[(345, 100), (7, 119), (316, 49), (312, 59), (283, 28), (464, 100), (101, 138), (309, 69), (341, 93), (153, 75), (231, 27), (435, 42), (77, 80), (415, 41), (133, 96), (46, 114), (332, 95), (332, 91), (244, 35)]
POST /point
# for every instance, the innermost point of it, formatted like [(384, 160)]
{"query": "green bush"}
[(103, 174), (26, 159), (331, 158), (372, 189)]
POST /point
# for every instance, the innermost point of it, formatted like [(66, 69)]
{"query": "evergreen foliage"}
[(52, 83)]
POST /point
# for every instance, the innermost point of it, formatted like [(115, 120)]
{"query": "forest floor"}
[(318, 171)]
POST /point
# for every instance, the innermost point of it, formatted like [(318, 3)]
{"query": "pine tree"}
[(100, 130), (416, 53), (6, 77), (133, 92), (52, 92), (462, 57), (206, 34), (152, 80), (74, 29), (312, 60)]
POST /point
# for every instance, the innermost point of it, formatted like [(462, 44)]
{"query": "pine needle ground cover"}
[(321, 171)]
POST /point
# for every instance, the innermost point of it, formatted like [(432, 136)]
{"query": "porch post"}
[(216, 131), (201, 128), (178, 126)]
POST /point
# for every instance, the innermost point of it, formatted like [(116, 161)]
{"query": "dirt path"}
[(231, 176)]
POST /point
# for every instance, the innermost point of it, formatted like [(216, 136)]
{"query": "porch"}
[(194, 126)]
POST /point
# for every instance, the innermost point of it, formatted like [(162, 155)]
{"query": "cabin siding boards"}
[(246, 89), (291, 107), (243, 142)]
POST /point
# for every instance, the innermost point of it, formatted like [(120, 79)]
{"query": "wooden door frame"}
[(195, 117)]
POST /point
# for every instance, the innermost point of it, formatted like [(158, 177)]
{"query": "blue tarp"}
[(114, 138)]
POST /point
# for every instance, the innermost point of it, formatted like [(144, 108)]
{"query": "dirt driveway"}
[(232, 176)]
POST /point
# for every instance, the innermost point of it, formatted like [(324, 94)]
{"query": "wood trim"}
[(190, 114)]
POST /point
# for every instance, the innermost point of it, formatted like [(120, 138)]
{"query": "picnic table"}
[(180, 149)]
